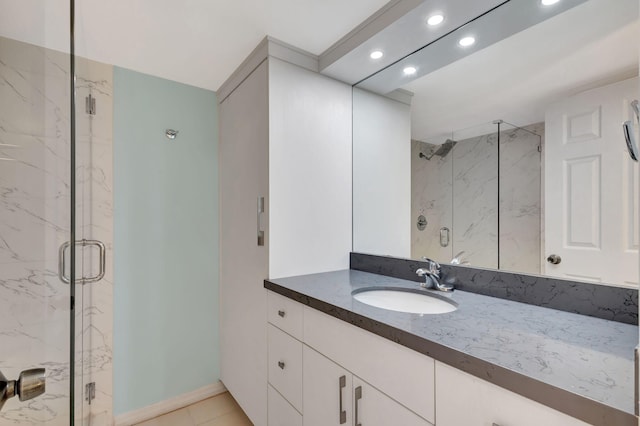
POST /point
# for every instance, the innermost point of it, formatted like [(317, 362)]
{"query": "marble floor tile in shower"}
[(220, 410)]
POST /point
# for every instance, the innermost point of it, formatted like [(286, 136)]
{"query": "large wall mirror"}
[(500, 145)]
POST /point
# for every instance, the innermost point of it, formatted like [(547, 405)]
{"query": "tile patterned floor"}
[(220, 410)]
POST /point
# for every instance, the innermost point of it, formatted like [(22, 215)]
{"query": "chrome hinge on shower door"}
[(90, 105), (90, 392)]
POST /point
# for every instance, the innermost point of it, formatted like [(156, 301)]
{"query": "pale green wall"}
[(166, 240)]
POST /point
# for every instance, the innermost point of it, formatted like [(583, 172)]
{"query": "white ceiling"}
[(516, 79), (198, 42)]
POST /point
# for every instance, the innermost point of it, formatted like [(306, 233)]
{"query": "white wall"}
[(309, 171), (381, 175)]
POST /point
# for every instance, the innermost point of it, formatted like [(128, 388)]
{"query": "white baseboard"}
[(168, 405)]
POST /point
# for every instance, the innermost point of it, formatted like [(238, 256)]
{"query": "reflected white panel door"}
[(591, 188)]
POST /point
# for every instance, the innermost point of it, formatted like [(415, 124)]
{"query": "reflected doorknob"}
[(554, 259)]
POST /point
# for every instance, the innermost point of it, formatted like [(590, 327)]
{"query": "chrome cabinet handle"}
[(260, 211), (62, 261), (343, 384), (281, 313), (358, 397), (281, 365)]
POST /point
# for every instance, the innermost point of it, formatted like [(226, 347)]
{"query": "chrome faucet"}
[(432, 277)]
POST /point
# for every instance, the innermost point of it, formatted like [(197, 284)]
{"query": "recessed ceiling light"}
[(376, 54), (466, 41), (409, 70), (549, 2), (435, 19)]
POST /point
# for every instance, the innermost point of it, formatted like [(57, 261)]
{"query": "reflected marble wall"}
[(460, 191), (475, 199), (34, 222)]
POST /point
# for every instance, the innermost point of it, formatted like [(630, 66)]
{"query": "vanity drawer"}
[(285, 365), (399, 372), (281, 413), (284, 313)]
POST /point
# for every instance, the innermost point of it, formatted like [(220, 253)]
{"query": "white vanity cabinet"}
[(334, 373), (281, 413), (327, 391), (333, 396), (284, 361), (329, 376), (463, 399)]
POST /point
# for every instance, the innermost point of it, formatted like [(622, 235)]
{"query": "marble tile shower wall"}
[(34, 222), (460, 192)]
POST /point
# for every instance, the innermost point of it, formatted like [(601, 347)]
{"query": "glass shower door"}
[(36, 188)]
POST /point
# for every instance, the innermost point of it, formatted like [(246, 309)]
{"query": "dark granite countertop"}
[(579, 365)]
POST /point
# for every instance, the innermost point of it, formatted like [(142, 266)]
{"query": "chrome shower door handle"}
[(62, 261)]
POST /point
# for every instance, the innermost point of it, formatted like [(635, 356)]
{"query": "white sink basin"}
[(405, 301)]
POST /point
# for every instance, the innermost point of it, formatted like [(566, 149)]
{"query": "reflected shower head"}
[(442, 150)]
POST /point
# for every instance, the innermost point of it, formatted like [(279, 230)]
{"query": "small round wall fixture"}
[(171, 134), (549, 2), (376, 54)]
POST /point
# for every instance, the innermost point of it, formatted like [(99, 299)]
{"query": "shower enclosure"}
[(55, 223)]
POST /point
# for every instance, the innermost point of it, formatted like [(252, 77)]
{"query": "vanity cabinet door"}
[(373, 408), (327, 391), (463, 399)]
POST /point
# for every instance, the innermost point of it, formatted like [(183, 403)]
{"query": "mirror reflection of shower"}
[(438, 150), (481, 185)]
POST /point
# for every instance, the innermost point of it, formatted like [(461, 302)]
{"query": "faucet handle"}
[(422, 272)]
